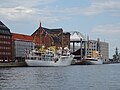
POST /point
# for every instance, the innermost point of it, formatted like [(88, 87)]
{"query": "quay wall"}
[(13, 64)]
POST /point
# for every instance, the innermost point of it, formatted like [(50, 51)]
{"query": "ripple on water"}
[(88, 77)]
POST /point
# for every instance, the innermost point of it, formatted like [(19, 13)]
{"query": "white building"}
[(103, 48), (77, 38), (21, 47), (21, 44)]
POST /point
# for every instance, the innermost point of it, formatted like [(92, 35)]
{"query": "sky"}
[(94, 18)]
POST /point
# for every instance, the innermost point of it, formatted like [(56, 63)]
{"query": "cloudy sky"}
[(96, 18)]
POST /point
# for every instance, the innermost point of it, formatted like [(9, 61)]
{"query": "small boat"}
[(96, 59), (91, 61), (49, 58)]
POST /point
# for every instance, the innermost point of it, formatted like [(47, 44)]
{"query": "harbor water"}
[(74, 77)]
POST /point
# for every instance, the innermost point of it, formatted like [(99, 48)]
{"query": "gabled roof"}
[(22, 37), (50, 32), (53, 31), (3, 26), (4, 30)]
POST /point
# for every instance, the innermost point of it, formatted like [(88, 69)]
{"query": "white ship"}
[(96, 59), (49, 58), (92, 61)]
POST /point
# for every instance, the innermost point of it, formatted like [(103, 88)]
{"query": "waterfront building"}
[(21, 44), (96, 45), (82, 46), (104, 50), (66, 39), (5, 43), (48, 37)]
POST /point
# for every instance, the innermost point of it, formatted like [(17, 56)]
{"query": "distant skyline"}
[(96, 18)]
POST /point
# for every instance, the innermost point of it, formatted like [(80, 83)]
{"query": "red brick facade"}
[(48, 37), (5, 43), (42, 36), (66, 39)]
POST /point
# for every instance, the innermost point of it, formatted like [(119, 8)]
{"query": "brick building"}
[(48, 37), (5, 43), (66, 39)]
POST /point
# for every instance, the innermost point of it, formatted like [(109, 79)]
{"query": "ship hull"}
[(92, 62), (62, 61)]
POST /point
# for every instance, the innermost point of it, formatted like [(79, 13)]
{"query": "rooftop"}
[(3, 26), (23, 37), (77, 36)]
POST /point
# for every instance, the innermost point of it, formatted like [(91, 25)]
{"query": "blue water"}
[(78, 77)]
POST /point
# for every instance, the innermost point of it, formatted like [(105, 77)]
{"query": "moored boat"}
[(91, 61), (95, 59), (49, 58)]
